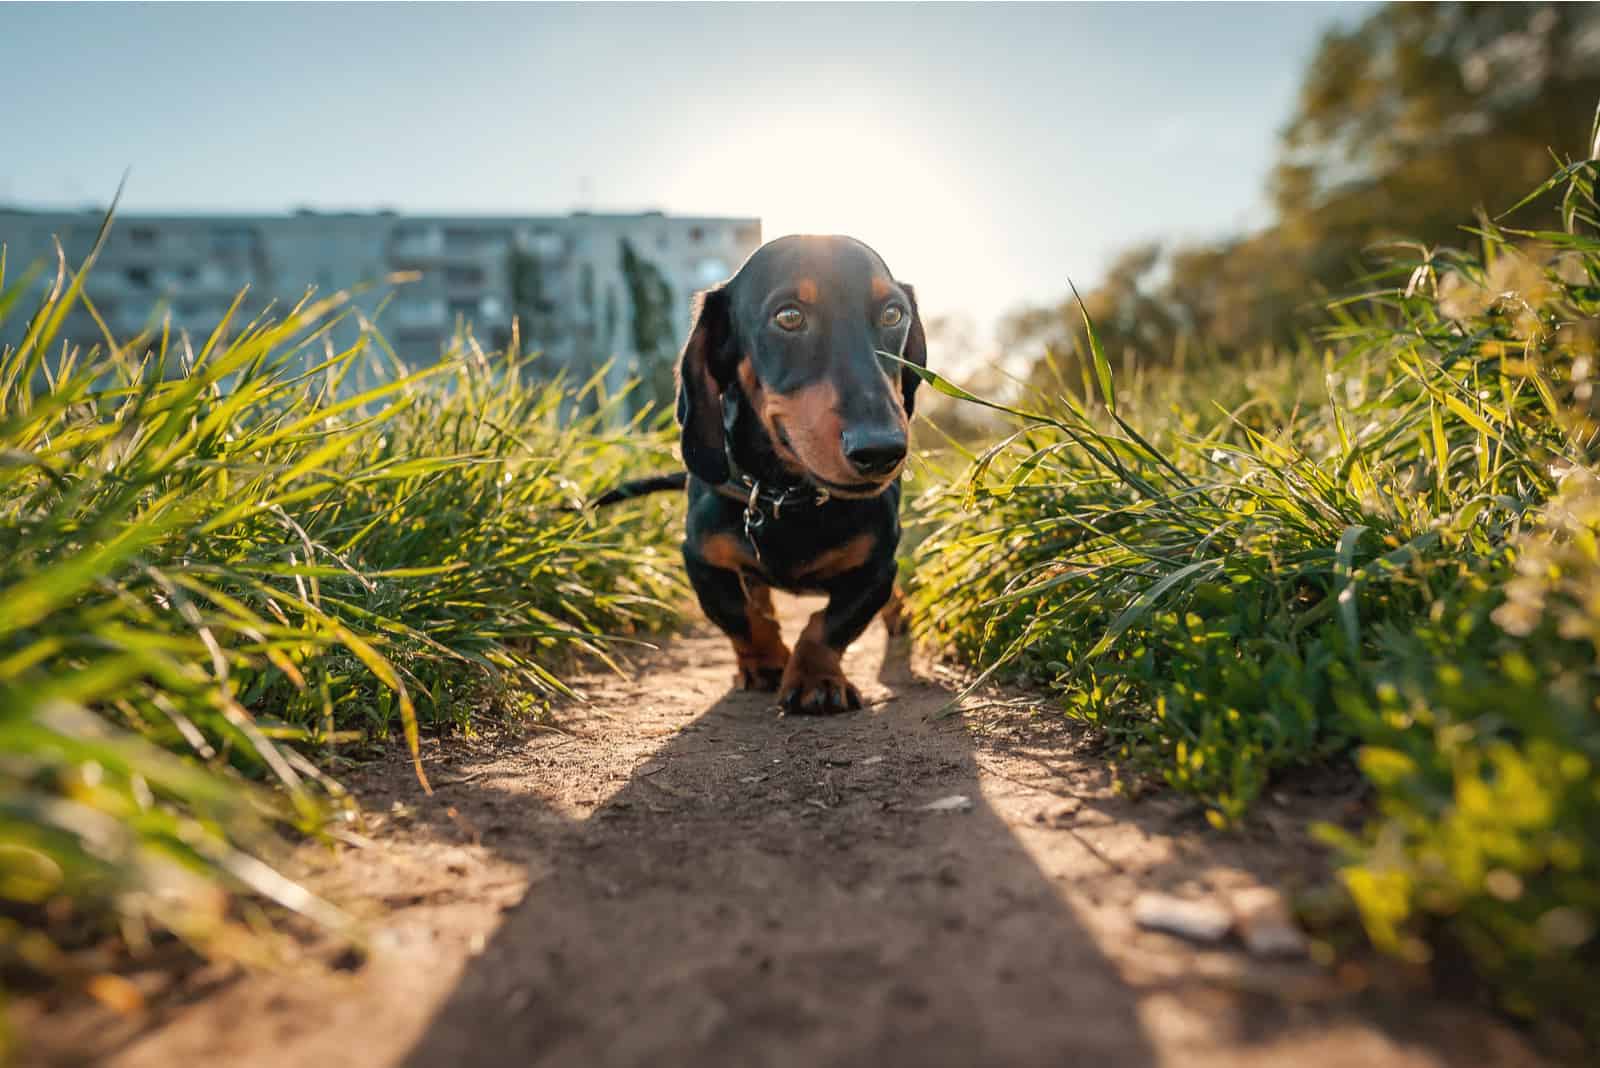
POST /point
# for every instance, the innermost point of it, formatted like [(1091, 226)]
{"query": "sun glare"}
[(880, 185)]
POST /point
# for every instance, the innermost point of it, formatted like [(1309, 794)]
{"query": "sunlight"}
[(856, 175)]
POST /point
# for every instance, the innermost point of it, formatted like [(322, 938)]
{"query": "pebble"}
[(1199, 921), (1265, 924)]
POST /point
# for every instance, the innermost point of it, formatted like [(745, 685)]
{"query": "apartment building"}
[(585, 288)]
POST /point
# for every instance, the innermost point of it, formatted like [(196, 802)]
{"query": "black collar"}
[(763, 500)]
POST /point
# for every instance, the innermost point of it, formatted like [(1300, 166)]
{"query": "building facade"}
[(584, 288)]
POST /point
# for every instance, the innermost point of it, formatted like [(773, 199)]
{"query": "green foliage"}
[(217, 563), (1407, 566), (651, 327)]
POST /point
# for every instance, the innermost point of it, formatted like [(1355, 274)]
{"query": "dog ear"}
[(702, 376), (916, 351)]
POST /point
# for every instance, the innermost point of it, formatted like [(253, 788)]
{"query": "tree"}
[(1425, 114), (651, 327), (1407, 126)]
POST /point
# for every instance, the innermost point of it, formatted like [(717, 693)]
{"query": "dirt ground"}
[(677, 875)]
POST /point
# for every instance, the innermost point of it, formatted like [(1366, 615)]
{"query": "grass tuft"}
[(222, 560), (1390, 547)]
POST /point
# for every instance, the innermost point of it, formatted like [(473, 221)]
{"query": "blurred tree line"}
[(1407, 127)]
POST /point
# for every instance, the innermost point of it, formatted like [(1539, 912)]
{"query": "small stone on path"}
[(1199, 921), (1265, 924)]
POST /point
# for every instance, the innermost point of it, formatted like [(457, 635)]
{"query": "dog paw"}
[(760, 678), (817, 693), (762, 660)]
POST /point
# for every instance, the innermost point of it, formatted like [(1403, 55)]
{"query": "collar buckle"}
[(754, 517), (754, 520)]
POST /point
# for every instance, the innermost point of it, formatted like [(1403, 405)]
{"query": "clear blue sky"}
[(989, 152)]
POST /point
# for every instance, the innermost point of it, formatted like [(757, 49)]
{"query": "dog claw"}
[(821, 698), (758, 679)]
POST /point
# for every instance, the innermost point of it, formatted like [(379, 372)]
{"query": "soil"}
[(675, 874)]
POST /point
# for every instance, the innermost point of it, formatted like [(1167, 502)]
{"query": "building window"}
[(142, 236), (463, 276), (697, 234), (459, 241), (545, 243), (138, 276), (233, 241), (748, 234)]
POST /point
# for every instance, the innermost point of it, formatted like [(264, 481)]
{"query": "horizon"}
[(985, 192)]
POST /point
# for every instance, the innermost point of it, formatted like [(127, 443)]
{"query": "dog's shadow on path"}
[(772, 891)]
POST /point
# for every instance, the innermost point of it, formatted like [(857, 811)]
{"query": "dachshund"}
[(795, 427)]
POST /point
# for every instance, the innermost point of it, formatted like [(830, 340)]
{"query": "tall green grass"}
[(223, 558), (1407, 568)]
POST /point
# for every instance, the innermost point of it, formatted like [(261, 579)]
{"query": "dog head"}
[(800, 330)]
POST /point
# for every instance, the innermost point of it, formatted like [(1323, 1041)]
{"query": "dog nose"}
[(875, 452)]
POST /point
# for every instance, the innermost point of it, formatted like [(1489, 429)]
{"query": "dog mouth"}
[(851, 489)]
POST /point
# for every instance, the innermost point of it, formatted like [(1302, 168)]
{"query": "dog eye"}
[(891, 315), (790, 318)]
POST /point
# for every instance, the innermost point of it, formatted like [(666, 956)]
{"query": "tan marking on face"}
[(727, 551), (752, 385), (839, 559), (756, 393), (880, 287), (806, 290), (810, 418)]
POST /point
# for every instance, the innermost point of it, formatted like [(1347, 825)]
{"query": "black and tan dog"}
[(794, 433)]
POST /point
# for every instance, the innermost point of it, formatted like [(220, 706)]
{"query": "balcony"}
[(416, 243)]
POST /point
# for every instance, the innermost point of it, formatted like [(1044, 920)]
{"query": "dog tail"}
[(639, 487)]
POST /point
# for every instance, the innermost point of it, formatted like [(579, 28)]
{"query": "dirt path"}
[(682, 877)]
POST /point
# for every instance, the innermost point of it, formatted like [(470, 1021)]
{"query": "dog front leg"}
[(743, 611), (814, 680)]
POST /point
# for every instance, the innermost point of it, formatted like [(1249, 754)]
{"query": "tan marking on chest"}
[(727, 551), (839, 559)]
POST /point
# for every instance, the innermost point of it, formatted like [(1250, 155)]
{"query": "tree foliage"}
[(651, 328), (1409, 124)]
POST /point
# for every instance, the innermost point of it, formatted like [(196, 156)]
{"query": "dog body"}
[(795, 434)]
